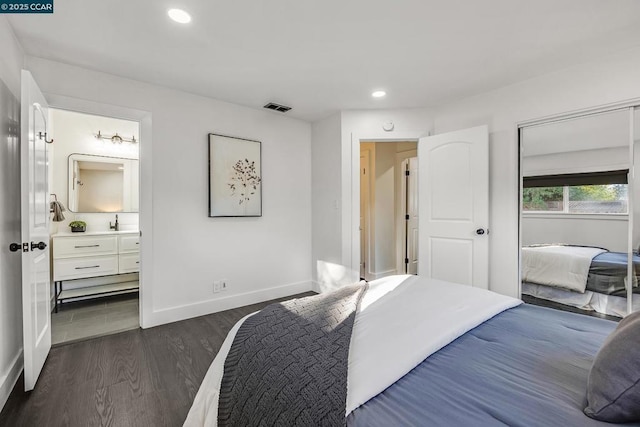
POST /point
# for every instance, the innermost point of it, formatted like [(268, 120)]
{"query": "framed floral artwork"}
[(235, 177)]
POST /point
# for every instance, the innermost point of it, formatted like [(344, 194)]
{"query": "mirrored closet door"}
[(577, 213)]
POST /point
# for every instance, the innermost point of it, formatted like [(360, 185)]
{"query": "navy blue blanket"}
[(528, 366), (608, 271)]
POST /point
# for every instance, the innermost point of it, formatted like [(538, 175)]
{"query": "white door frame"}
[(146, 193), (365, 224), (351, 206)]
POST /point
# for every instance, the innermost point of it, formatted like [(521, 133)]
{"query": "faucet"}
[(115, 226)]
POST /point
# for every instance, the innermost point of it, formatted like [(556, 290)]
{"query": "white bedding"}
[(592, 301), (402, 320), (564, 267)]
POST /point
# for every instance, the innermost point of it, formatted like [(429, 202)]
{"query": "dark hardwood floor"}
[(556, 305), (135, 378)]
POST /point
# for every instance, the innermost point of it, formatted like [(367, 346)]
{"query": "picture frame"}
[(235, 177)]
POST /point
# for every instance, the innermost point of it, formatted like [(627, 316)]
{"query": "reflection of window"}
[(544, 199), (612, 198), (589, 193)]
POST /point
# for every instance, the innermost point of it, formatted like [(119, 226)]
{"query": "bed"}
[(588, 278), (426, 352)]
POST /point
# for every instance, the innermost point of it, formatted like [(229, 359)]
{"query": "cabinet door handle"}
[(84, 268), (137, 262), (87, 246)]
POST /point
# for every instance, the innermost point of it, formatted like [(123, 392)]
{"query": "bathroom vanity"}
[(91, 255)]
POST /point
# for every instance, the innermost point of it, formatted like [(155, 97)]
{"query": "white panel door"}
[(412, 215), (36, 286), (454, 206)]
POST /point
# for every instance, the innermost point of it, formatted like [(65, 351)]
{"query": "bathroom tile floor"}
[(80, 320)]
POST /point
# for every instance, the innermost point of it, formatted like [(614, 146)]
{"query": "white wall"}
[(11, 62), (602, 81), (326, 201), (74, 134), (588, 230), (260, 258)]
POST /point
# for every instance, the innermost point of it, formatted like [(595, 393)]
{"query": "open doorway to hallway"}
[(388, 208)]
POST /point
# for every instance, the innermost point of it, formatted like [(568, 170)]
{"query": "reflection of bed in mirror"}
[(588, 278)]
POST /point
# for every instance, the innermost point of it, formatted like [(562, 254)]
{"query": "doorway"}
[(388, 208), (94, 198)]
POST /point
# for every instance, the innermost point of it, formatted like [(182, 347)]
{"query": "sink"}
[(128, 227)]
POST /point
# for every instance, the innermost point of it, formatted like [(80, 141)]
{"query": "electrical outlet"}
[(217, 286)]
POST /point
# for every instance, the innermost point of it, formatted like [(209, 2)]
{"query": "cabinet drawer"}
[(129, 243), (79, 268), (129, 263), (67, 247)]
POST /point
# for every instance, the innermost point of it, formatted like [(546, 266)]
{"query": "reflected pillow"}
[(613, 389)]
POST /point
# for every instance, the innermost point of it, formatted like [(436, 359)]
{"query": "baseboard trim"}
[(10, 378), (188, 311), (315, 287), (382, 274)]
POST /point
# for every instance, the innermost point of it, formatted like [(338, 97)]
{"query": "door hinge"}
[(406, 217), (406, 260), (407, 173)]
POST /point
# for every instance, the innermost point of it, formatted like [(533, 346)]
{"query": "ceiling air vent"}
[(277, 107)]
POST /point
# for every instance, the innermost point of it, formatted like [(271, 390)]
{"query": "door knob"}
[(15, 247), (480, 231), (39, 245)]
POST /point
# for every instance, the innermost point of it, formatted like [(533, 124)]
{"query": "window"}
[(545, 199), (590, 193), (612, 198)]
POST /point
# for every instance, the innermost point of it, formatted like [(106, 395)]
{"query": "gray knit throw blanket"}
[(288, 363)]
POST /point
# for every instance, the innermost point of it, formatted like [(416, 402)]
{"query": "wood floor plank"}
[(134, 378)]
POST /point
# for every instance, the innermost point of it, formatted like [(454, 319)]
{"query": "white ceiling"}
[(323, 56)]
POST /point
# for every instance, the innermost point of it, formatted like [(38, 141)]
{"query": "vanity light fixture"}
[(179, 15), (115, 138), (379, 94)]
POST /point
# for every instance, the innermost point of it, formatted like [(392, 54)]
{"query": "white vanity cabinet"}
[(128, 254), (90, 255)]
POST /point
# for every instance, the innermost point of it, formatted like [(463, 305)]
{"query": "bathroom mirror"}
[(102, 184)]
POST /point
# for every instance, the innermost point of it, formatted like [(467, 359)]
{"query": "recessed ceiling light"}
[(379, 94), (179, 15)]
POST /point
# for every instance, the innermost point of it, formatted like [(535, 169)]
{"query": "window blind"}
[(575, 179)]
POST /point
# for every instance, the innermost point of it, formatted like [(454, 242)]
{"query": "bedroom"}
[(309, 217)]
